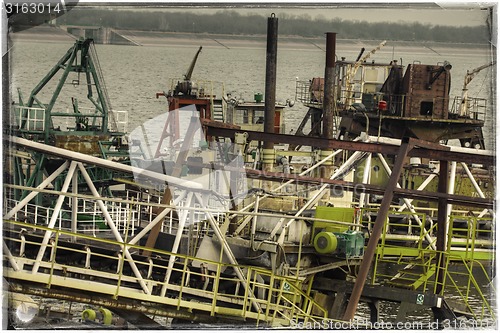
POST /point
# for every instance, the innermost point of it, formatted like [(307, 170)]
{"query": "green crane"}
[(81, 58), (91, 130)]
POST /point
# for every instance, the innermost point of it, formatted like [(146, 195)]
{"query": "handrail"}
[(472, 285), (123, 282)]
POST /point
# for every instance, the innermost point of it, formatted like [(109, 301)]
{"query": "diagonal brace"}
[(406, 146)]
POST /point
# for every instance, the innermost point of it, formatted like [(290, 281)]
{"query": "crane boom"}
[(470, 74), (189, 72), (464, 104)]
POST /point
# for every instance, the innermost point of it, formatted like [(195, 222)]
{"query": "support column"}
[(183, 216), (329, 89), (442, 227), (374, 306), (270, 94), (329, 98), (366, 179), (451, 186), (406, 146), (339, 305)]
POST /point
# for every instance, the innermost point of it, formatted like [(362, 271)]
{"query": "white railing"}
[(127, 216), (148, 213), (473, 108), (30, 118), (90, 217), (121, 120)]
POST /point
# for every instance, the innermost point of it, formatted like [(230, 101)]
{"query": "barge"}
[(202, 217)]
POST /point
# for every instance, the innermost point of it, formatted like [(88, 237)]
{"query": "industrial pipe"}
[(270, 94), (329, 96), (329, 89)]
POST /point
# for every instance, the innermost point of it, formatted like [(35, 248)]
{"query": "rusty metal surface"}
[(271, 64), (429, 129), (356, 146), (454, 199), (442, 227), (374, 189), (329, 90), (105, 301), (85, 144), (428, 90)]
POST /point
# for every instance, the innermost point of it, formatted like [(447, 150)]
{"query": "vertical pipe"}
[(329, 98), (366, 175), (270, 94), (329, 89), (442, 227), (451, 186), (74, 207)]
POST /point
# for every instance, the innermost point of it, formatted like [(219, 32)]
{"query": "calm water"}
[(133, 75)]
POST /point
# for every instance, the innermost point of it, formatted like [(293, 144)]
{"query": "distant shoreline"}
[(47, 33)]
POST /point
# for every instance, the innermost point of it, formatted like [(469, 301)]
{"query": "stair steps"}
[(413, 277), (218, 112)]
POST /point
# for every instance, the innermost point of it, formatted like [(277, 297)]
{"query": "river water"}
[(133, 74)]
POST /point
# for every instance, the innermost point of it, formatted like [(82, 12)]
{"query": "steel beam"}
[(230, 255), (84, 158), (176, 173), (33, 194), (157, 220), (374, 189), (348, 165), (424, 151), (366, 179), (183, 215), (55, 215), (113, 228)]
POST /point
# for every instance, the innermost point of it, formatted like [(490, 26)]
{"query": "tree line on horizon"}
[(231, 22)]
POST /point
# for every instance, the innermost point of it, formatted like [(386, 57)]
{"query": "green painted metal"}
[(107, 316), (80, 59), (340, 214), (88, 314), (415, 262), (350, 243), (325, 242), (87, 131)]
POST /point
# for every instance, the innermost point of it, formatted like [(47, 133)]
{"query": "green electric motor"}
[(347, 244), (325, 242)]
